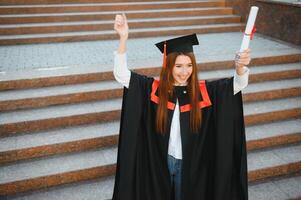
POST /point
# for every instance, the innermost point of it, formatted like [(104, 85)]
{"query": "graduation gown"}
[(214, 160)]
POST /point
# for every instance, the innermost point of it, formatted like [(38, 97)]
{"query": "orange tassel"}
[(164, 55), (252, 33)]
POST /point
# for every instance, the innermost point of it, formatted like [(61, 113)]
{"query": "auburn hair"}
[(166, 90)]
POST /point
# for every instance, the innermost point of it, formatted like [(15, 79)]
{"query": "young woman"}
[(180, 138)]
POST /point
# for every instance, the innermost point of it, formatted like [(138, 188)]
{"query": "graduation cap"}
[(180, 44)]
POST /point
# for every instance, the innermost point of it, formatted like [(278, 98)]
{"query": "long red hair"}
[(166, 90)]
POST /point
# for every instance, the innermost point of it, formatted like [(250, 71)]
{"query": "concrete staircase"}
[(59, 130), (81, 20), (59, 123)]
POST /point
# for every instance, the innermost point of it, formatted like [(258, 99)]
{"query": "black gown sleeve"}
[(134, 98), (231, 159)]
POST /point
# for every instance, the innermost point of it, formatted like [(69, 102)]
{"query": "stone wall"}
[(278, 19), (241, 7)]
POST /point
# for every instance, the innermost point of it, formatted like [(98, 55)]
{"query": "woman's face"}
[(182, 70)]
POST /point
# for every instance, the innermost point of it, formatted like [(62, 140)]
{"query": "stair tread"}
[(272, 85), (280, 128), (99, 189), (114, 12), (57, 164), (87, 33), (58, 90), (280, 188), (58, 136), (103, 4), (274, 157), (113, 84), (106, 156), (77, 133), (102, 189), (112, 21), (60, 111), (115, 104), (271, 105), (253, 70)]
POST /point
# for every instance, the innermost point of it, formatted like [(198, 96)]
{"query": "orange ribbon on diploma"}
[(252, 33), (250, 29)]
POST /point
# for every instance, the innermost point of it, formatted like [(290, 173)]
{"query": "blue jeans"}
[(175, 171)]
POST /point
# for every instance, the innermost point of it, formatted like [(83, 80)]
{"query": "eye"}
[(178, 66)]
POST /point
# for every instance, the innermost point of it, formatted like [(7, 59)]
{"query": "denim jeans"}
[(175, 170)]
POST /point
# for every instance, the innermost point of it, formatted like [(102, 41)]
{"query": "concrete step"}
[(110, 34), (57, 170), (34, 2), (59, 141), (93, 16), (63, 135), (65, 76), (88, 137), (113, 104), (273, 134), (102, 7), (60, 111), (279, 188), (40, 28), (97, 189), (102, 189), (290, 89), (57, 164), (272, 129), (134, 22), (258, 107), (41, 97), (37, 174), (271, 85), (256, 70), (268, 163), (267, 111), (87, 113), (259, 71)]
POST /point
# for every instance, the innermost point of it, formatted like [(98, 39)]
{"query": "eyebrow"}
[(183, 64)]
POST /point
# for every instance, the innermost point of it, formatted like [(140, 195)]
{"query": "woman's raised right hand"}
[(121, 26)]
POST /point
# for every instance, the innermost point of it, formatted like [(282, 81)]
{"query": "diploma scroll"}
[(250, 29)]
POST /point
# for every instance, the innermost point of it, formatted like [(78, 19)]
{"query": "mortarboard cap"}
[(180, 44)]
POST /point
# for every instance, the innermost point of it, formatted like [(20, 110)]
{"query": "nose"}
[(184, 71)]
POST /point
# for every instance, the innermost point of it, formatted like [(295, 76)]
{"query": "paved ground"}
[(78, 57)]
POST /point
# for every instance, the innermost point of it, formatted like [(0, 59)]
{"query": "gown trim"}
[(187, 107)]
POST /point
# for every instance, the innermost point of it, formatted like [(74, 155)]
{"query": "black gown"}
[(214, 160)]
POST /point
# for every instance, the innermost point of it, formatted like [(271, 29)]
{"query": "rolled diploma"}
[(249, 27)]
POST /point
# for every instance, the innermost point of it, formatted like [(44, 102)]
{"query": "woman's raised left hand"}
[(242, 59)]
